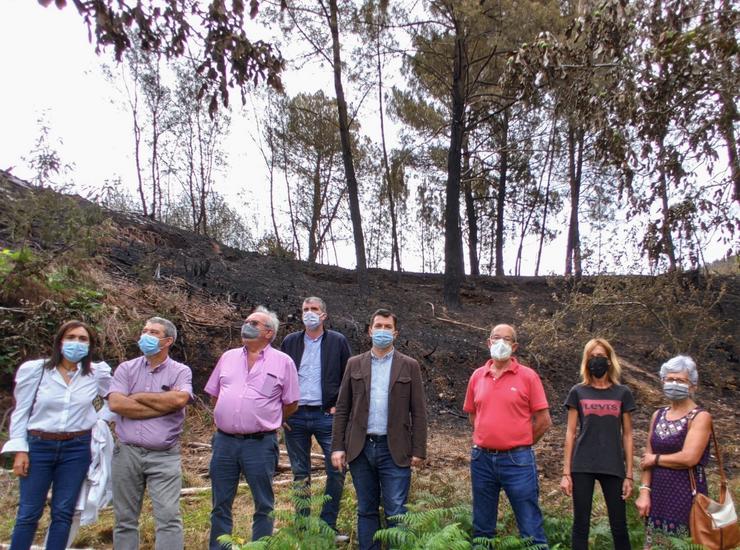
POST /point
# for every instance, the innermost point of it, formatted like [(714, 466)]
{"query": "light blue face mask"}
[(149, 345), (676, 391), (382, 338), (311, 319), (74, 351)]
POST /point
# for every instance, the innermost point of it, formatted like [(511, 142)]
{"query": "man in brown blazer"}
[(380, 426)]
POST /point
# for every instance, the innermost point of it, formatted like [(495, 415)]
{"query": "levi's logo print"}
[(601, 407)]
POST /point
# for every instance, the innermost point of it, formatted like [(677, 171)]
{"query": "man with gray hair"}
[(321, 356), (253, 388), (149, 395)]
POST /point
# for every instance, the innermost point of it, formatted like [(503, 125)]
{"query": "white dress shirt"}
[(59, 407)]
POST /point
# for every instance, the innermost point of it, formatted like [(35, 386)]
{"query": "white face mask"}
[(500, 350)]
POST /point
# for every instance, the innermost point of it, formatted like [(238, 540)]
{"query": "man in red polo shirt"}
[(508, 410)]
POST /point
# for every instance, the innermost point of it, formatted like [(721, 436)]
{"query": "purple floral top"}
[(671, 489)]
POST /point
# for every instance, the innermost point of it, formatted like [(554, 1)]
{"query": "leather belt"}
[(58, 436), (375, 438), (502, 451), (312, 408), (255, 435)]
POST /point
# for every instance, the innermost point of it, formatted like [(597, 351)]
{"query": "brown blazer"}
[(407, 415)]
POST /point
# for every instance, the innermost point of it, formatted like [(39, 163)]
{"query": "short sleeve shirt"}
[(598, 448), (136, 376), (503, 406), (251, 400)]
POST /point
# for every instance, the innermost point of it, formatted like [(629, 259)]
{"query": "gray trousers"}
[(135, 469)]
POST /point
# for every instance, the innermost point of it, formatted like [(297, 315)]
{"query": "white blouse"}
[(59, 407)]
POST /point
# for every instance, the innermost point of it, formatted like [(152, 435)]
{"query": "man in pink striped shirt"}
[(254, 388)]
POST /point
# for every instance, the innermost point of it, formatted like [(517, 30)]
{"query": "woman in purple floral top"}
[(679, 440)]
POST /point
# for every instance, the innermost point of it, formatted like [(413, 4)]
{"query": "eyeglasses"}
[(676, 379), (256, 323), (507, 339)]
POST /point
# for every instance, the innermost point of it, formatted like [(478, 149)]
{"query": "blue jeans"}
[(61, 465), (375, 475), (304, 424), (516, 473), (257, 460)]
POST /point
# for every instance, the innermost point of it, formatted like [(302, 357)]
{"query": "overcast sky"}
[(49, 67)]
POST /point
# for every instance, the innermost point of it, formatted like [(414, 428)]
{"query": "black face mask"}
[(598, 366)]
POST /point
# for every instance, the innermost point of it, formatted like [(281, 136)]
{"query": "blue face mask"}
[(311, 319), (382, 338), (149, 345), (74, 351), (250, 332)]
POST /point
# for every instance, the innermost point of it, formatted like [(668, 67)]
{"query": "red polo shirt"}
[(503, 406)]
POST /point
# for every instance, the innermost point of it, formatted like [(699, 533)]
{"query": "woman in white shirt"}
[(50, 431)]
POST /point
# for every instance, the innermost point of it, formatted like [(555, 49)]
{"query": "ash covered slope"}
[(144, 267)]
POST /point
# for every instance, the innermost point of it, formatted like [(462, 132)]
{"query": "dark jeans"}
[(61, 465), (257, 460), (516, 473), (304, 424), (583, 492), (376, 476)]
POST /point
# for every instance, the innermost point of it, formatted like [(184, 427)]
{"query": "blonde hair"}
[(614, 372)]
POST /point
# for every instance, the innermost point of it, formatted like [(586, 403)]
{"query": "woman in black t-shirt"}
[(601, 447)]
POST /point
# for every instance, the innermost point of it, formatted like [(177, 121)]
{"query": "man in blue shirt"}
[(321, 356)]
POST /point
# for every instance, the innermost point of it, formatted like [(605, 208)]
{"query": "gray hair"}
[(170, 330), (680, 363), (273, 323), (318, 300)]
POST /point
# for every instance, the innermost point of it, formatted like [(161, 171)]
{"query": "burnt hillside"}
[(134, 268)]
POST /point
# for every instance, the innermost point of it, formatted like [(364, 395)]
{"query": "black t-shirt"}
[(598, 448)]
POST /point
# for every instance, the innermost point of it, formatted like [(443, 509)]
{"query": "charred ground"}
[(142, 268)]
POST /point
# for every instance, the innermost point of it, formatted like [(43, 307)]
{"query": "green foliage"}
[(41, 294), (299, 529), (558, 530), (509, 542), (441, 529)]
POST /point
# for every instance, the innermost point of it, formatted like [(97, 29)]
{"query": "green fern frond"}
[(397, 537), (509, 542), (684, 544), (451, 537)]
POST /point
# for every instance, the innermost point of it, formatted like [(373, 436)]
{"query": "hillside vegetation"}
[(63, 257)]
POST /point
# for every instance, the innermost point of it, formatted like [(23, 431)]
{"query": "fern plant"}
[(442, 529), (508, 542), (297, 531)]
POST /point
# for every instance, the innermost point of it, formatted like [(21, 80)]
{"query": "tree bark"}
[(454, 264), (575, 166), (315, 212), (470, 213), (390, 180), (349, 168), (729, 114), (543, 229), (501, 193)]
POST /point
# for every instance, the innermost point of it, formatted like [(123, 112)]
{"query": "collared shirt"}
[(309, 375), (251, 400), (59, 407), (137, 376), (380, 381), (503, 406)]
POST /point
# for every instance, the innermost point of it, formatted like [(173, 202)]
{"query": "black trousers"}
[(583, 492)]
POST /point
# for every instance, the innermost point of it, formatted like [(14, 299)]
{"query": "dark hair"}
[(56, 352), (382, 312)]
